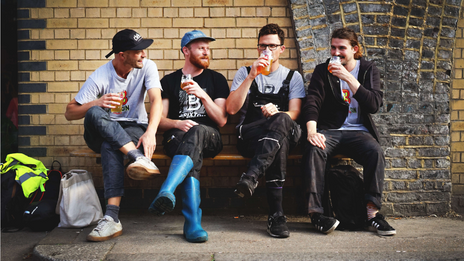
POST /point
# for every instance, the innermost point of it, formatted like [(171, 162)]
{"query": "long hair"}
[(348, 34), (272, 29)]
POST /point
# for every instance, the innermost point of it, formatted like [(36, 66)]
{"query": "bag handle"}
[(59, 168)]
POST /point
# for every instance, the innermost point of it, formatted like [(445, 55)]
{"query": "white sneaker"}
[(106, 229), (142, 169)]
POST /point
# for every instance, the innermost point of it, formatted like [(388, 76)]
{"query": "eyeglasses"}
[(272, 47)]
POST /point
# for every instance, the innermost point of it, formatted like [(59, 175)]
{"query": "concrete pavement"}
[(148, 237)]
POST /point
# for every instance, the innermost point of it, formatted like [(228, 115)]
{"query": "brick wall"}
[(63, 41), (457, 120), (412, 42)]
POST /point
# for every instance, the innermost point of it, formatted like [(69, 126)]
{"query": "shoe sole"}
[(381, 232), (164, 205), (243, 191), (197, 240), (332, 228), (99, 239), (285, 235), (137, 171)]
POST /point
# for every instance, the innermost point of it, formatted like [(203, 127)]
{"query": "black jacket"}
[(325, 105)]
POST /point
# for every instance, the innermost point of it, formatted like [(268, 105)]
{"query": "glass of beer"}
[(266, 70), (333, 60), (184, 80), (118, 108)]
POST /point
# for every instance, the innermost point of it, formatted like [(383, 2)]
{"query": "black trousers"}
[(268, 142), (358, 145), (200, 141)]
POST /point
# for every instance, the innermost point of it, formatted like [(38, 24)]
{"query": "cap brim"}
[(144, 44), (201, 38)]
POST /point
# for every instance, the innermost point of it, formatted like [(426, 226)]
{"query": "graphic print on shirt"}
[(268, 88), (346, 96), (190, 106), (124, 101)]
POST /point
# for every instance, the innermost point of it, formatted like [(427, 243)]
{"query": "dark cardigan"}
[(325, 105)]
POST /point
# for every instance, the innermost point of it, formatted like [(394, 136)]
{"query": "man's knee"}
[(94, 111), (197, 130), (282, 119), (93, 115), (193, 138), (281, 122), (375, 150), (310, 149)]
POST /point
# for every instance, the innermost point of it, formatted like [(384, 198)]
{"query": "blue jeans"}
[(200, 141), (358, 145), (106, 136)]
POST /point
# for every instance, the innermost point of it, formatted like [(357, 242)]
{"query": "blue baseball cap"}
[(193, 35)]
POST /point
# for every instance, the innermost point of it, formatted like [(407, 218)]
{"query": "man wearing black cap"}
[(190, 121), (124, 81)]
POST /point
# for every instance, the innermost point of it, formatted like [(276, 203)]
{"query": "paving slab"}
[(148, 237)]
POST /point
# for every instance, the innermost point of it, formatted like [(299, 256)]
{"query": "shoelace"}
[(278, 220), (281, 220), (147, 161), (101, 223)]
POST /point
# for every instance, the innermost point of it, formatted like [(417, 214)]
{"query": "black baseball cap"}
[(128, 39)]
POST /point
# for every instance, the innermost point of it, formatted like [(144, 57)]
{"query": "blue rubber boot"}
[(166, 201), (193, 231)]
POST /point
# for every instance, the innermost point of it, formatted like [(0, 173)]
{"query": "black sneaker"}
[(245, 186), (382, 227), (324, 224), (277, 225)]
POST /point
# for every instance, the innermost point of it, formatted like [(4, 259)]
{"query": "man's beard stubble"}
[(199, 63)]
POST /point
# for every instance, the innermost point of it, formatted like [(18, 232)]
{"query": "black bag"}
[(13, 203), (41, 215), (347, 197), (52, 186)]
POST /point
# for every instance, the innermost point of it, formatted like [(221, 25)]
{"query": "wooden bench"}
[(161, 156)]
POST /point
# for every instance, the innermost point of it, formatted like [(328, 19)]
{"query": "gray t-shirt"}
[(353, 121), (105, 80), (271, 84)]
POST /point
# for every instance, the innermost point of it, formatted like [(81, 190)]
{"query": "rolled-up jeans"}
[(358, 145), (106, 136)]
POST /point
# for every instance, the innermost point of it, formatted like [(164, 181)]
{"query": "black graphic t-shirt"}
[(188, 107)]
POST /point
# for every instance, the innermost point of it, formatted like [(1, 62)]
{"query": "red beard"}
[(199, 63)]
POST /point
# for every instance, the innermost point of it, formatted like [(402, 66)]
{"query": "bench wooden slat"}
[(160, 156)]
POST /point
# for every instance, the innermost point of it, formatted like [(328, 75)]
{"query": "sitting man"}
[(337, 115), (268, 106), (190, 120), (123, 82)]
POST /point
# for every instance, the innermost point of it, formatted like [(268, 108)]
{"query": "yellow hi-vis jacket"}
[(30, 173)]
